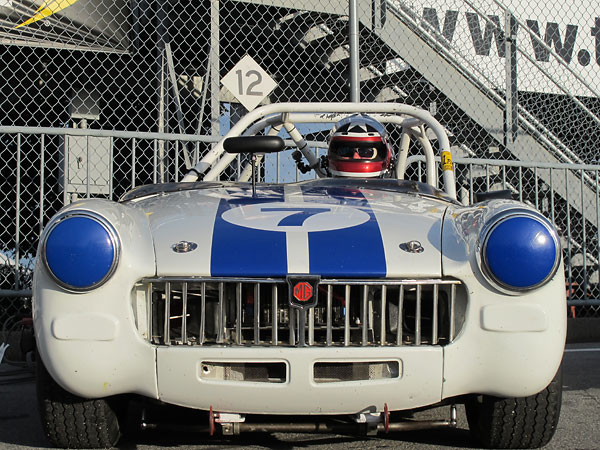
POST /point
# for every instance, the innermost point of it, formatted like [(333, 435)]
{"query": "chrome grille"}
[(246, 312)]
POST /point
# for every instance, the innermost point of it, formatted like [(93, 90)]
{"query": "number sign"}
[(248, 82)]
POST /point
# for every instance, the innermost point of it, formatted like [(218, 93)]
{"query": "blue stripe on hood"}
[(353, 252), (242, 251)]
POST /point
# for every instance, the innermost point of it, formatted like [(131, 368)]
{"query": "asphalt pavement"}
[(578, 428)]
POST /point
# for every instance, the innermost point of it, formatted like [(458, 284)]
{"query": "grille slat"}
[(452, 309), (418, 317), (434, 327), (274, 314), (311, 326), (382, 314), (150, 315), (238, 308), (203, 314), (167, 322), (254, 312), (399, 316), (329, 314), (347, 316), (184, 300), (221, 318), (292, 324), (364, 318)]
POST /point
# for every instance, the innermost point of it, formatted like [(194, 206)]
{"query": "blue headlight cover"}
[(80, 252), (520, 252)]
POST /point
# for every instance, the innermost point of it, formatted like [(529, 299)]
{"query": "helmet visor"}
[(343, 150)]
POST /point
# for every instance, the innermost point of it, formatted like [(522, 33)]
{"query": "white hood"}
[(335, 232)]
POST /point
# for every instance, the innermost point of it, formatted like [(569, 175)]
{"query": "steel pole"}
[(354, 53), (511, 95)]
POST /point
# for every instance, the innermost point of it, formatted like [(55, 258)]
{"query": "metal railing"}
[(35, 188), (44, 169)]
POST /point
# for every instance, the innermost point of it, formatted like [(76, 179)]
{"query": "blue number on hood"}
[(297, 219)]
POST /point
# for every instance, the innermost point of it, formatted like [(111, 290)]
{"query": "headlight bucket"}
[(519, 251), (81, 250)]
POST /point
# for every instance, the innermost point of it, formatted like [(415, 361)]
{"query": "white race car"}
[(351, 296)]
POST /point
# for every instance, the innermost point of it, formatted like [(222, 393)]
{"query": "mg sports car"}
[(343, 303)]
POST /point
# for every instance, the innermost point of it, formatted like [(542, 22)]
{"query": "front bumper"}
[(181, 380)]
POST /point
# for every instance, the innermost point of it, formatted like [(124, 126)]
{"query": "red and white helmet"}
[(358, 147)]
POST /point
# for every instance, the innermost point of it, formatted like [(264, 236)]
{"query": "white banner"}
[(571, 29)]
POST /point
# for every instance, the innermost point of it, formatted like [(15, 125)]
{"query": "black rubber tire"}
[(527, 422), (70, 421)]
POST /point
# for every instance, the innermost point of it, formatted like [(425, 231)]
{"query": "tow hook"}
[(230, 422)]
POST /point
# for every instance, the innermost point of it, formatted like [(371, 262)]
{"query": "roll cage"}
[(272, 119)]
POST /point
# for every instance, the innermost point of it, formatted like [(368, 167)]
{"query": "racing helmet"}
[(359, 147)]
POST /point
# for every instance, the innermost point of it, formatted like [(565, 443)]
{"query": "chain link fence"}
[(98, 96)]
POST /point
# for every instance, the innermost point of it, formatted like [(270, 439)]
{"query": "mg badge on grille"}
[(303, 295), (303, 290)]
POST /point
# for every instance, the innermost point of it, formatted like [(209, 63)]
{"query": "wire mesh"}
[(515, 81)]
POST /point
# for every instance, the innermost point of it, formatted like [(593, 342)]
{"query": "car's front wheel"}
[(527, 422), (70, 421)]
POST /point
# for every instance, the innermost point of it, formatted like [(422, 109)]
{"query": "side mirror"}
[(254, 144)]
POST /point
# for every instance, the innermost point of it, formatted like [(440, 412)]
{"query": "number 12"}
[(250, 89)]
